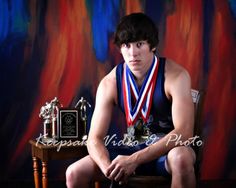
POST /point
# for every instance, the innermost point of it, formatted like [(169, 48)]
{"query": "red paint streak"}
[(183, 43), (220, 98), (183, 38)]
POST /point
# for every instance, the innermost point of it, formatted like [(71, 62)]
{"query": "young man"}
[(154, 93)]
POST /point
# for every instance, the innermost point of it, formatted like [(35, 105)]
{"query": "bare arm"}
[(105, 100), (178, 88)]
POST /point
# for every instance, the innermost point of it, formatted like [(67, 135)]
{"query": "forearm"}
[(161, 147), (99, 153)]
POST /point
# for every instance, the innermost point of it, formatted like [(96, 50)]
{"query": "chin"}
[(135, 68)]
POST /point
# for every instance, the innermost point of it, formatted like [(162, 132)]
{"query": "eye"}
[(139, 44), (125, 45)]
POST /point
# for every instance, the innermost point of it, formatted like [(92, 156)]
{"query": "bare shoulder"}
[(107, 88), (177, 78), (175, 71)]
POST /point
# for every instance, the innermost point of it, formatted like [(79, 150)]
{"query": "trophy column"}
[(49, 113)]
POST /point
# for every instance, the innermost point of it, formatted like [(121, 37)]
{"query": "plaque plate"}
[(68, 124)]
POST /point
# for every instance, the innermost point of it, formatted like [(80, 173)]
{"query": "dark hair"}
[(135, 27)]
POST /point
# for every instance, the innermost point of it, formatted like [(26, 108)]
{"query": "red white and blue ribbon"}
[(143, 97)]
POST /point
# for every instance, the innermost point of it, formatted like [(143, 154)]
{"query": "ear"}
[(154, 49)]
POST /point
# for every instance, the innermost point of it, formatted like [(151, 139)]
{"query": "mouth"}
[(134, 61)]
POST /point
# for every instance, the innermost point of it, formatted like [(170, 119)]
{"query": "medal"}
[(143, 97), (131, 131)]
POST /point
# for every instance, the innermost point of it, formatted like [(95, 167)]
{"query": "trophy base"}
[(84, 137), (48, 140)]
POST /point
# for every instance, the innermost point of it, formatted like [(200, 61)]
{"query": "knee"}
[(181, 160), (70, 177), (74, 176)]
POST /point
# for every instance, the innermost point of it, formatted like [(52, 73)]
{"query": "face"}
[(137, 55)]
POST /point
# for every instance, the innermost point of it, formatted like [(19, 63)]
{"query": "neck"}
[(139, 79)]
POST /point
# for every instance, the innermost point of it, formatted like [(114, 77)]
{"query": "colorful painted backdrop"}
[(64, 47)]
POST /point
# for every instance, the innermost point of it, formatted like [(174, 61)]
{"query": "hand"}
[(121, 168)]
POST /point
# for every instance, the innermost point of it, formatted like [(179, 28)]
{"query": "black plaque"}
[(68, 124)]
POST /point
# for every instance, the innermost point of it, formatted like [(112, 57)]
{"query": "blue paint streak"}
[(4, 19), (232, 5), (155, 9), (208, 11), (14, 18), (104, 18), (13, 34), (158, 11), (14, 21), (19, 17)]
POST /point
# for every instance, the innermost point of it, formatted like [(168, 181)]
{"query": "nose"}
[(133, 50)]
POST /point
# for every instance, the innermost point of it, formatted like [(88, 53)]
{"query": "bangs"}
[(131, 35)]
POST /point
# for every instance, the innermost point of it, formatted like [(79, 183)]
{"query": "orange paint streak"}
[(132, 6), (183, 41)]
